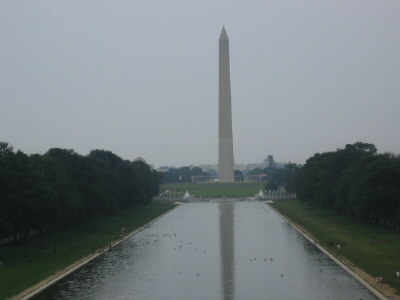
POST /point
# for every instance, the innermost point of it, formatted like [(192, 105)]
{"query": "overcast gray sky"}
[(140, 78)]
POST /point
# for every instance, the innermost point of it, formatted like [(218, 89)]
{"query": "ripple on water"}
[(212, 251)]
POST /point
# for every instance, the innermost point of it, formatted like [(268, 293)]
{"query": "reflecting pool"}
[(240, 250)]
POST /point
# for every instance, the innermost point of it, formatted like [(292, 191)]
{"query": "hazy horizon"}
[(140, 78)]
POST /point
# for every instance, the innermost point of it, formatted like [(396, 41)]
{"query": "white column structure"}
[(225, 147)]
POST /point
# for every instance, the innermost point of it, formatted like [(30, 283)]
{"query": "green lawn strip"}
[(379, 258), (71, 245), (218, 190)]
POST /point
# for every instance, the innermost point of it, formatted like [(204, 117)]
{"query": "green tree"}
[(316, 181), (7, 185), (278, 176), (374, 192), (291, 171), (185, 173), (62, 188), (86, 173), (23, 186), (271, 186), (256, 171), (67, 208), (238, 175), (147, 181)]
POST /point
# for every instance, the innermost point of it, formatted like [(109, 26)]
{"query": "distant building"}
[(164, 169), (269, 162), (244, 168), (140, 159)]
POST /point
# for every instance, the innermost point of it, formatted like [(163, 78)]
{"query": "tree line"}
[(355, 181), (275, 177), (62, 188), (183, 174)]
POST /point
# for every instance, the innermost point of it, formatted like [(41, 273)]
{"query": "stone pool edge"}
[(28, 293), (331, 256)]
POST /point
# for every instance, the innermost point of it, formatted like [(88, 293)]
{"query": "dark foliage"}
[(355, 180), (183, 174), (62, 188), (279, 177)]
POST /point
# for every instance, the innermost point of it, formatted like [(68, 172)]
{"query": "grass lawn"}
[(218, 190), (16, 275), (374, 249)]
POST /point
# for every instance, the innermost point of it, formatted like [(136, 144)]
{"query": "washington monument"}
[(225, 146)]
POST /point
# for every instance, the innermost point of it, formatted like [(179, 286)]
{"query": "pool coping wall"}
[(331, 256)]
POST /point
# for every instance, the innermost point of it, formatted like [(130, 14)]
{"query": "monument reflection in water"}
[(227, 249), (212, 251)]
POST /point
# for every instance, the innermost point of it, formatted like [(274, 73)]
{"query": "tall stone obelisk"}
[(225, 150)]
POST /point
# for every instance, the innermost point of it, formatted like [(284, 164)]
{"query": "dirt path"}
[(385, 289)]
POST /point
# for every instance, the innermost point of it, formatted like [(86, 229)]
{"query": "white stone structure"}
[(186, 196), (225, 146)]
